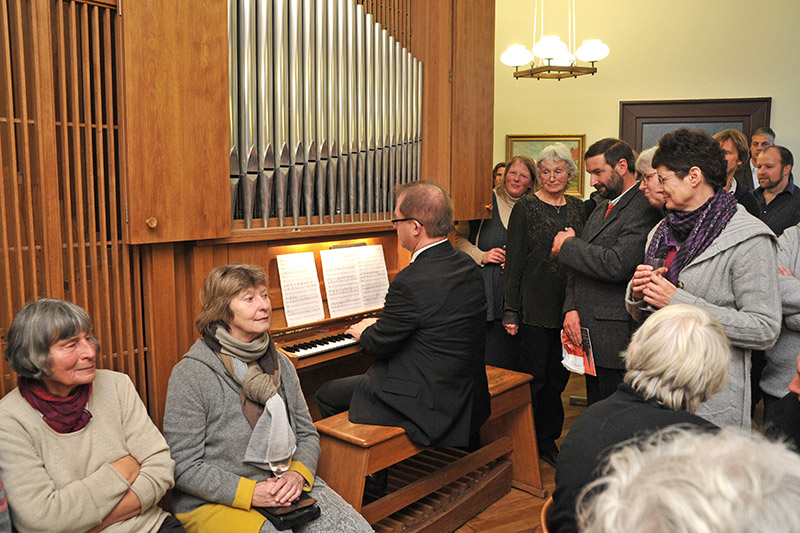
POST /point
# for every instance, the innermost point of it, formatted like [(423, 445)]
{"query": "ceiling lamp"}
[(551, 58)]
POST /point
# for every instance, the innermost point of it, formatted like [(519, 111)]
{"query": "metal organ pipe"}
[(325, 112)]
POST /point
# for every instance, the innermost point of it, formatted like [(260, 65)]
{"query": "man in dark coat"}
[(429, 375), (603, 259)]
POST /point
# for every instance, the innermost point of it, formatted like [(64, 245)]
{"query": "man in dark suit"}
[(602, 261), (429, 375)]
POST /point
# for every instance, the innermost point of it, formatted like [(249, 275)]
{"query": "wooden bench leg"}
[(344, 469), (518, 424)]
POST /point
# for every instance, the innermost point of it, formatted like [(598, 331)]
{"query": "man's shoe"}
[(549, 458), (377, 483)]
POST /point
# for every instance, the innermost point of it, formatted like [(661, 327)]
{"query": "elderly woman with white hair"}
[(676, 360), (78, 451), (648, 178), (535, 285), (733, 481)]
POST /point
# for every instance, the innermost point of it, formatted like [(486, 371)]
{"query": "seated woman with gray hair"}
[(237, 422), (733, 481), (78, 451), (677, 359)]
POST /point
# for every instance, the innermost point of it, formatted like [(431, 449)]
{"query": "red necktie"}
[(608, 210)]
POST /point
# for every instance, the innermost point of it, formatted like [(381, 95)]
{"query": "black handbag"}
[(304, 509)]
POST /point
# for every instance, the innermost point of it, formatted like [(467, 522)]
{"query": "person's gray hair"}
[(679, 356), (36, 327), (556, 153), (645, 160), (695, 482)]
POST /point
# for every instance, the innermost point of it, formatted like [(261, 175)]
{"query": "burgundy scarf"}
[(693, 231), (63, 414)]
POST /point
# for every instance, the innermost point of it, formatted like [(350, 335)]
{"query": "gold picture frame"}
[(531, 145)]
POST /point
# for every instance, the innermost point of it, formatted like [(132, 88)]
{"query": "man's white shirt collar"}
[(415, 254)]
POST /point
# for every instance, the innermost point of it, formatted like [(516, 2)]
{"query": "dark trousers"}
[(334, 396), (601, 387), (540, 356), (757, 363), (502, 349)]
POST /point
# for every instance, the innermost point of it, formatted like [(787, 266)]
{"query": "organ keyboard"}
[(319, 342)]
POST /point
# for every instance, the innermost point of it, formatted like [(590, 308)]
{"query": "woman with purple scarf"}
[(714, 255), (78, 451)]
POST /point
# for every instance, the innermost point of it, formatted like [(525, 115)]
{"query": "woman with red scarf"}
[(715, 256), (78, 451)]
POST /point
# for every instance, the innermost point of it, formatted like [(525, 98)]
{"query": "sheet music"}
[(355, 279), (302, 300)]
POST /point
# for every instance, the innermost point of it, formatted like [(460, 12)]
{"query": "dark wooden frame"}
[(754, 113)]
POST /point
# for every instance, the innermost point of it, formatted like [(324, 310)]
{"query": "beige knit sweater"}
[(65, 482)]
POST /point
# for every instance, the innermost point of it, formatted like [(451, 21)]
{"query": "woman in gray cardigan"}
[(717, 257), (236, 420)]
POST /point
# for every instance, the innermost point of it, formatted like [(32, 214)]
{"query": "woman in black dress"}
[(535, 285)]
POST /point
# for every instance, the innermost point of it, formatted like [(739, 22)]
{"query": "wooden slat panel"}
[(11, 34), (64, 167), (81, 288)]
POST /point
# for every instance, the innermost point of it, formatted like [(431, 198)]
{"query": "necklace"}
[(554, 206)]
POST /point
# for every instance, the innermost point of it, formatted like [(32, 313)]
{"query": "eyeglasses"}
[(398, 220), (662, 179), (558, 173), (648, 177)]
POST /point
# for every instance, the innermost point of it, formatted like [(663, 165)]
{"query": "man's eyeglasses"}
[(398, 220)]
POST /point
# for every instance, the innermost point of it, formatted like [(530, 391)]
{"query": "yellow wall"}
[(660, 50)]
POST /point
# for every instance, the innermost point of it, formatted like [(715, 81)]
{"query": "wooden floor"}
[(519, 511)]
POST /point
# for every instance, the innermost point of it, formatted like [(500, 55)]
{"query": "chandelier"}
[(551, 58)]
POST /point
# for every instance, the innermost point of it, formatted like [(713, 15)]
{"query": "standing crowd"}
[(680, 273)]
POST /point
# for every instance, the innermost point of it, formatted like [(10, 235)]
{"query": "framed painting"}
[(531, 145)]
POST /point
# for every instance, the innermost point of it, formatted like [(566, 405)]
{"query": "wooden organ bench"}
[(435, 489)]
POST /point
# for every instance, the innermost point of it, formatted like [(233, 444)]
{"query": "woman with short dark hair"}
[(77, 448), (715, 256)]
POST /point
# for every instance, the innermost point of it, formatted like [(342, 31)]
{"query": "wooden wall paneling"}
[(202, 261), (60, 87), (6, 181), (118, 250), (160, 304), (81, 287), (26, 236), (473, 107), (138, 349), (431, 43), (48, 215), (95, 309), (175, 79), (11, 34)]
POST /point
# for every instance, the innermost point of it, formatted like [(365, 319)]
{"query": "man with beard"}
[(602, 261), (747, 174)]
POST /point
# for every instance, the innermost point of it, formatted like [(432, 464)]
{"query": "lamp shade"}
[(516, 55), (592, 50), (563, 60), (549, 47)]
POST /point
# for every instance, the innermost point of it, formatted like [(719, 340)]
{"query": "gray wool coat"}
[(736, 280), (782, 358), (208, 434)]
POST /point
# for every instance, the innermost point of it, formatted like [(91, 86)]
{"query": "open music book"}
[(302, 300), (355, 279)]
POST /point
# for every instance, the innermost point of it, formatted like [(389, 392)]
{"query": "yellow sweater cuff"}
[(301, 469), (244, 494)]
